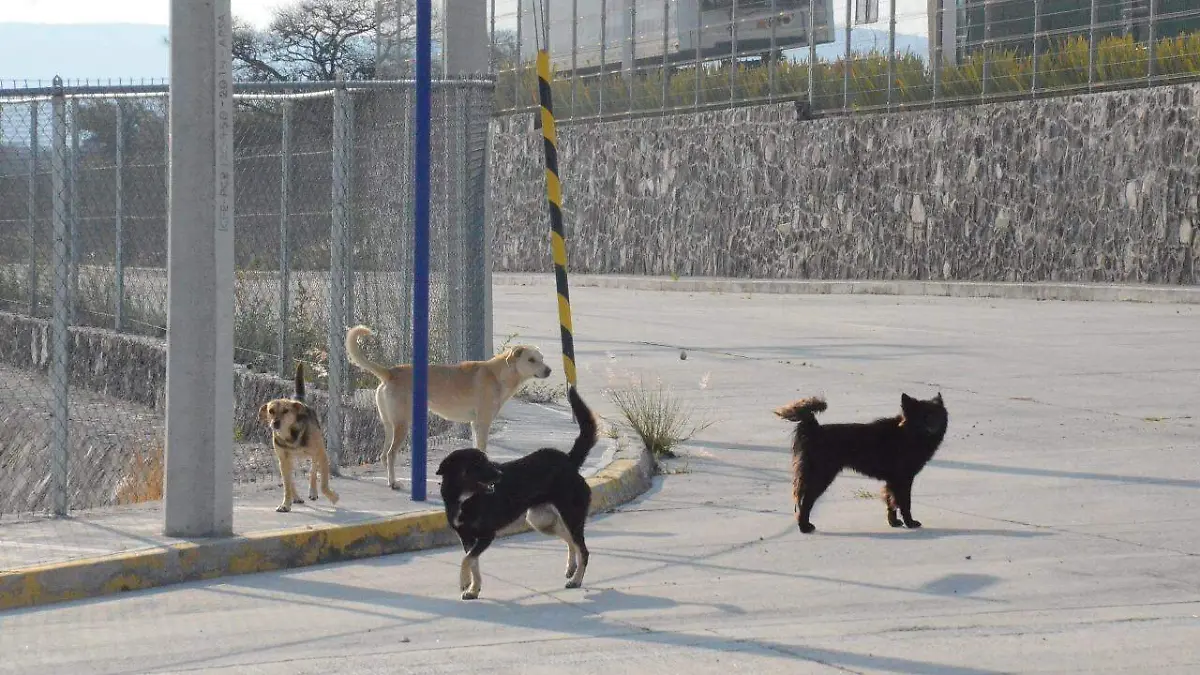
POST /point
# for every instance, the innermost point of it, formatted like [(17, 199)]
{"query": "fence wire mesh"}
[(323, 185), (616, 58)]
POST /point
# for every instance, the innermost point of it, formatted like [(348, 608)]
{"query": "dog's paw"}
[(570, 572), (470, 594), (573, 584), (912, 524), (333, 497), (394, 486), (894, 521), (312, 497), (283, 508), (297, 500), (808, 528)]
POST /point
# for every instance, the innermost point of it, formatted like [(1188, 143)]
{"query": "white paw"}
[(470, 594)]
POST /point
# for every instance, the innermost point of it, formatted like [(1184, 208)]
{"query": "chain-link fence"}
[(323, 191), (620, 58)]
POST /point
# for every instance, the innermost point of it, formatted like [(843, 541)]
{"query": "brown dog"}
[(296, 434), (471, 391)]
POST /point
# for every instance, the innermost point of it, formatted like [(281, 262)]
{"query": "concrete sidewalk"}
[(105, 550), (1066, 291)]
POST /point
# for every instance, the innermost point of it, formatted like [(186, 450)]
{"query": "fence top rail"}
[(30, 94)]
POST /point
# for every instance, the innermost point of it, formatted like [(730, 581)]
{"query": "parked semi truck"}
[(612, 34)]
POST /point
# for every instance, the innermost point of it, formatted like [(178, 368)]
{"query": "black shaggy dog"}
[(891, 449), (482, 497)]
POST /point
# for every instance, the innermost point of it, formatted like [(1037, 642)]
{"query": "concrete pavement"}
[(1060, 530), (105, 551)]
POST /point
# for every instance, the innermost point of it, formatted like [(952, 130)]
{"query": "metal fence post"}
[(666, 74), (32, 214), (1151, 43), (1092, 46), (482, 233), (337, 278), (574, 52), (846, 61), (476, 241), (59, 181), (517, 65), (938, 18), (1037, 30), (119, 263), (700, 61), (455, 160), (810, 35), (73, 208), (891, 53), (632, 75), (733, 51), (285, 251), (987, 48), (348, 231), (771, 61), (492, 61), (603, 52)]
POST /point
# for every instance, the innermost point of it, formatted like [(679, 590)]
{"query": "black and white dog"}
[(482, 497)]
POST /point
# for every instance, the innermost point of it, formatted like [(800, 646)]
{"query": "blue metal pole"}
[(420, 412)]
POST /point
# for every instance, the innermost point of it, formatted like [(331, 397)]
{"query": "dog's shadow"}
[(565, 617), (935, 533), (603, 600)]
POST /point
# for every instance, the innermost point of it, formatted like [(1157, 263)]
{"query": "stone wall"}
[(1095, 188)]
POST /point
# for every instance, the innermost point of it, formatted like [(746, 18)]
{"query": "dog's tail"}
[(300, 381), (359, 359), (803, 411), (586, 439)]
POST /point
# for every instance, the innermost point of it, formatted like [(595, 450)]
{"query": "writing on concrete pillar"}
[(224, 102)]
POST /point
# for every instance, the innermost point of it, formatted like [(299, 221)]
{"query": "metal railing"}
[(629, 58), (323, 207)]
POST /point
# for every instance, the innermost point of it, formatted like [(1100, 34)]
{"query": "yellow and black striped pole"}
[(558, 241)]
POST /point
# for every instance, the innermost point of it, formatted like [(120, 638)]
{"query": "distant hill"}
[(82, 52)]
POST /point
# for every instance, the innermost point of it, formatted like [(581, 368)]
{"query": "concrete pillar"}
[(467, 53), (466, 39), (199, 453)]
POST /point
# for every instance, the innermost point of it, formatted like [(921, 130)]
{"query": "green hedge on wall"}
[(1061, 68)]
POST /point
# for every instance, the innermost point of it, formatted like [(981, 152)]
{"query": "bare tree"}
[(505, 48), (317, 39)]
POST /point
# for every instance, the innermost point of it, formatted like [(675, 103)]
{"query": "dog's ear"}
[(938, 398), (263, 413), (301, 412), (445, 466), (906, 400)]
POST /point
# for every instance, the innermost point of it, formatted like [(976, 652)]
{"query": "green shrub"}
[(1062, 66)]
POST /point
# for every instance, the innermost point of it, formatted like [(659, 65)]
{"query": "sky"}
[(156, 12)]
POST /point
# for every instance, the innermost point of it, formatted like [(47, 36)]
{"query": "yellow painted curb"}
[(615, 484)]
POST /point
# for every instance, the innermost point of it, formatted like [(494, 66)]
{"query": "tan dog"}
[(471, 391), (296, 434)]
